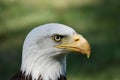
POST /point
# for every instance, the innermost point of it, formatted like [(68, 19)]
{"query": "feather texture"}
[(21, 76)]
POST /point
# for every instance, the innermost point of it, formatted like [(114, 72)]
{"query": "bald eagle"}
[(45, 49)]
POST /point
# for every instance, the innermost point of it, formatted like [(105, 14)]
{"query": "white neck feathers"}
[(40, 63)]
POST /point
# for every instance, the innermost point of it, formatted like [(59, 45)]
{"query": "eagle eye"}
[(57, 37)]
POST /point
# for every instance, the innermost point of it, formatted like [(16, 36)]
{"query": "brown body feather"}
[(21, 76)]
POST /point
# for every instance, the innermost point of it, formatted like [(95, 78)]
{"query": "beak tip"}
[(88, 56), (88, 53)]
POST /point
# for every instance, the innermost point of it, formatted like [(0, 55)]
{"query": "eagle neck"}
[(44, 66)]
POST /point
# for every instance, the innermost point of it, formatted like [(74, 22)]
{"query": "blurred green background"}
[(97, 20)]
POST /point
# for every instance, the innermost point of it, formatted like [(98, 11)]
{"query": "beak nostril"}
[(76, 39)]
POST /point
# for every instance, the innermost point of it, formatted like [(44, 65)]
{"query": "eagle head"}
[(45, 49)]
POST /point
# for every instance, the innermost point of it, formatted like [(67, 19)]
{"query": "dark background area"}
[(97, 20)]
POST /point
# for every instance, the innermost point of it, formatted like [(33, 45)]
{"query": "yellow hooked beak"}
[(76, 43)]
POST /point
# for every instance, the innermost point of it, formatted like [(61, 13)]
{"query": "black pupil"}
[(58, 37)]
